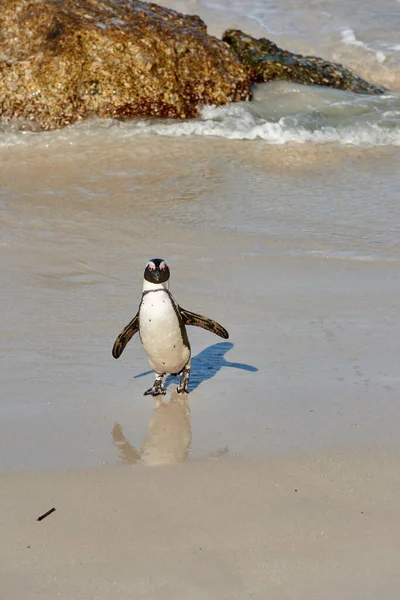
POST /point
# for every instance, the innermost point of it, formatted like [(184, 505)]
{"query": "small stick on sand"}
[(46, 514)]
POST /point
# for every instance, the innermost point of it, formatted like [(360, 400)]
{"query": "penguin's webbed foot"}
[(157, 389)]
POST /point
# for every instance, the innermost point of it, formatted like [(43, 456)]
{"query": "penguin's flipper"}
[(190, 318), (126, 334)]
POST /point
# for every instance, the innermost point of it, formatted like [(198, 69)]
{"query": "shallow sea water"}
[(280, 219)]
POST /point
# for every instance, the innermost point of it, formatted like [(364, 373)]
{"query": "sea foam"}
[(281, 113)]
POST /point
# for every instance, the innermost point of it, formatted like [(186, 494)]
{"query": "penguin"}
[(161, 324)]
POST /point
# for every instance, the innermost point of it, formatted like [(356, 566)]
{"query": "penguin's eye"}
[(151, 266), (162, 266)]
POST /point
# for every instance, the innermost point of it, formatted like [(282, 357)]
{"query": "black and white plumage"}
[(161, 324)]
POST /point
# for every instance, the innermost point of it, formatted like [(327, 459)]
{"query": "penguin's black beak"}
[(156, 275)]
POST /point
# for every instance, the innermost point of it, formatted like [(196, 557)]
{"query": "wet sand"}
[(306, 287), (311, 361)]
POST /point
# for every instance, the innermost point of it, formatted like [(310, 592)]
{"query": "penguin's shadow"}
[(206, 365)]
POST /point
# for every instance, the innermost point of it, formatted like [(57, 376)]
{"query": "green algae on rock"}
[(266, 62), (66, 60)]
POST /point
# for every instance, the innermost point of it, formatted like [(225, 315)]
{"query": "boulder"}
[(65, 60), (266, 62)]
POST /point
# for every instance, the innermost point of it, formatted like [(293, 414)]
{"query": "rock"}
[(266, 62), (61, 61)]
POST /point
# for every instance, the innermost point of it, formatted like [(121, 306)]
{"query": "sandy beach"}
[(278, 476), (315, 526)]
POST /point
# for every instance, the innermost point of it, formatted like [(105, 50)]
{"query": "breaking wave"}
[(280, 113)]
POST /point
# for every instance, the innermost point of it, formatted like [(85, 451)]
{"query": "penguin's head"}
[(156, 271)]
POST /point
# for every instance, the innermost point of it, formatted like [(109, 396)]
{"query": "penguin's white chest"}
[(161, 334)]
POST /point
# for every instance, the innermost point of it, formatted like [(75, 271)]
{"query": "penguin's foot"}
[(157, 389), (183, 387)]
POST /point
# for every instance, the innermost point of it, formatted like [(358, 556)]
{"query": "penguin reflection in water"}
[(161, 324), (168, 437)]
